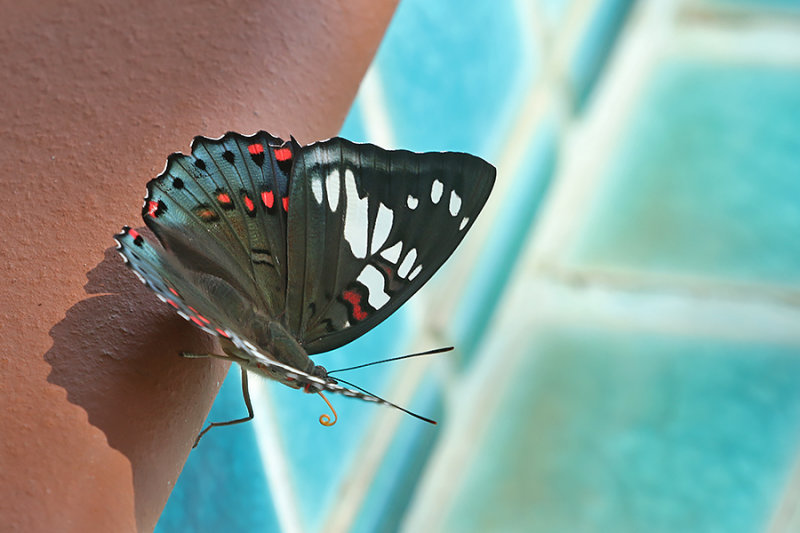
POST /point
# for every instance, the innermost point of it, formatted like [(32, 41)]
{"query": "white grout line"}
[(478, 399), (755, 42), (464, 431), (383, 425), (786, 515), (375, 114), (273, 458), (591, 143), (651, 34), (536, 102)]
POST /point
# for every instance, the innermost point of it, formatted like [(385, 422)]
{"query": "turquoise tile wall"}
[(508, 234), (321, 458), (225, 468), (451, 73), (637, 372), (640, 371), (628, 431), (710, 145), (593, 48)]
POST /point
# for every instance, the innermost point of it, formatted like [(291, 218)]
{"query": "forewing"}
[(214, 306), (222, 211), (367, 228)]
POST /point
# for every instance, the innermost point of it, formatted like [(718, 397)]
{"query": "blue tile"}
[(509, 233), (222, 486), (321, 458), (631, 432), (453, 73), (554, 10), (788, 5), (705, 181), (391, 492), (353, 127), (594, 47)]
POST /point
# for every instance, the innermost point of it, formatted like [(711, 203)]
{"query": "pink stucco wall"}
[(97, 411)]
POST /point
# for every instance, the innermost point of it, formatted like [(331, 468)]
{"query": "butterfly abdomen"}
[(275, 341)]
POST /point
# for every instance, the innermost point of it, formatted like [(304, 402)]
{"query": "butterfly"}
[(284, 251)]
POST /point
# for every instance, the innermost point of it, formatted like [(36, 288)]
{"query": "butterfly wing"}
[(214, 306), (207, 300), (222, 211), (329, 238), (367, 228)]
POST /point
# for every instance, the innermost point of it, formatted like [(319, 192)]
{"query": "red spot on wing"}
[(283, 154), (201, 317), (173, 304), (268, 198), (152, 208), (221, 332), (249, 203), (173, 291), (207, 214), (133, 233), (197, 321), (286, 204), (224, 198), (354, 299), (255, 149)]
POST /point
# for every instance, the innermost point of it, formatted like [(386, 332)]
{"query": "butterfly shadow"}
[(116, 355)]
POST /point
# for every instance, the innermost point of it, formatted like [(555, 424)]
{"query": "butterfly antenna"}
[(325, 419), (415, 415), (429, 352)]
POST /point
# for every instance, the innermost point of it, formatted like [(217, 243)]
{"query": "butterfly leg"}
[(247, 403)]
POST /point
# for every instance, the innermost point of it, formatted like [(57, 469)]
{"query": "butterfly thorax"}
[(279, 346)]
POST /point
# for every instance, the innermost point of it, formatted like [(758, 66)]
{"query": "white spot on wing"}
[(332, 184), (464, 223), (415, 273), (436, 191), (408, 262), (455, 203), (316, 188), (383, 225), (372, 279), (355, 220), (412, 202), (393, 252)]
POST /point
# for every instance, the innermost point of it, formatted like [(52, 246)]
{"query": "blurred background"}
[(625, 310)]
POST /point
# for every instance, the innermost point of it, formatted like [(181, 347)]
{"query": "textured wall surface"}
[(98, 412)]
